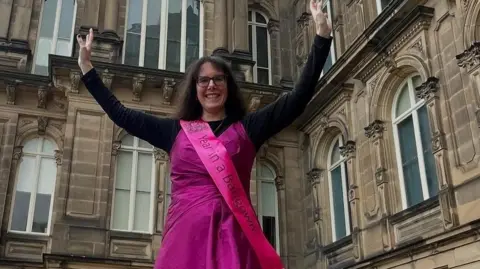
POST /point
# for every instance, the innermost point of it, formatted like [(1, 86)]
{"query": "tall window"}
[(35, 185), (164, 34), (416, 164), (339, 208), (259, 44), (327, 7), (381, 4), (267, 203), (134, 185), (56, 32)]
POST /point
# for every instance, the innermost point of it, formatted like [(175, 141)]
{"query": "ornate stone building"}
[(381, 171)]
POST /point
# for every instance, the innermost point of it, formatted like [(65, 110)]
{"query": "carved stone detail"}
[(470, 57), (254, 103), (74, 81), (160, 197), (348, 150), (11, 92), (314, 176), (116, 146), (316, 214), (17, 153), (42, 124), (160, 155), (273, 26), (42, 97), (280, 183), (304, 20), (428, 89), (58, 157), (168, 89), (137, 89), (375, 129), (107, 78)]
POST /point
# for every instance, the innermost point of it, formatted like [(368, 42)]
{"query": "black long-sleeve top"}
[(260, 125)]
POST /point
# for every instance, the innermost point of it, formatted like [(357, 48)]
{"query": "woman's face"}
[(212, 89)]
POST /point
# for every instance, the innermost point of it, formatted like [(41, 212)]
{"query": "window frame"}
[(346, 204), (162, 48), (380, 7), (413, 111), (135, 150), (58, 14), (254, 24), (31, 207), (259, 181), (328, 4)]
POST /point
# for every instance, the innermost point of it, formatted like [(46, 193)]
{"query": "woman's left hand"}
[(323, 25)]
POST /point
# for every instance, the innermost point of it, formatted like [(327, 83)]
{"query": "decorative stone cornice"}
[(254, 103), (116, 147), (428, 89), (42, 95), (160, 155), (470, 57), (58, 157), (137, 88), (17, 153), (375, 129), (74, 81), (348, 149), (168, 88), (42, 125), (273, 26), (11, 88), (107, 78)]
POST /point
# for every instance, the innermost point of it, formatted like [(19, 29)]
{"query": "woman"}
[(212, 147)]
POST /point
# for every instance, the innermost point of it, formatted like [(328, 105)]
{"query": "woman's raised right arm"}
[(156, 131)]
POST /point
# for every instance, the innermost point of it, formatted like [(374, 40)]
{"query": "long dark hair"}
[(191, 109)]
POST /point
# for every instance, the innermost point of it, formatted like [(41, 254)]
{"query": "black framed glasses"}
[(219, 80)]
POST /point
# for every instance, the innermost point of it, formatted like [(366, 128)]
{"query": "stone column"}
[(22, 14), (429, 92), (111, 17), (275, 63), (375, 133), (240, 26), (6, 9), (470, 60), (91, 14), (348, 152), (314, 178), (221, 34)]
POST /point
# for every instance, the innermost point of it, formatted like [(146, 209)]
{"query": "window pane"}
[(430, 169), (134, 27), (41, 57), (152, 39), (338, 203), (263, 76), (403, 103), (385, 3), (127, 140), (66, 20), (141, 221), (262, 47), (63, 47), (174, 34), (144, 144), (268, 198), (416, 81), (124, 170), (411, 172), (260, 18), (121, 209), (31, 146), (193, 31), (48, 147), (24, 188), (328, 64), (20, 211), (49, 12), (335, 153), (45, 189), (144, 172), (250, 38), (265, 172), (269, 229)]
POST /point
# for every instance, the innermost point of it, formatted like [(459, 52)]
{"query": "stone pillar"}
[(275, 63), (469, 60), (348, 152), (6, 8), (429, 92), (240, 26), (22, 14), (111, 17), (375, 133), (91, 14), (221, 34)]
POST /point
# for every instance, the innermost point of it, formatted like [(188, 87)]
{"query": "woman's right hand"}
[(85, 52)]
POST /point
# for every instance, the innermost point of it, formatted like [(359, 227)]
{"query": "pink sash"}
[(216, 159)]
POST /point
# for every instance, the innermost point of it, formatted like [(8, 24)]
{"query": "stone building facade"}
[(381, 171)]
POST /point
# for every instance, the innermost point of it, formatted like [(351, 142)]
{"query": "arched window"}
[(268, 203), (327, 7), (411, 129), (259, 44), (164, 34), (134, 184), (382, 4), (35, 186), (55, 35), (337, 186)]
